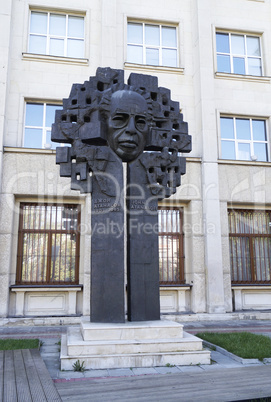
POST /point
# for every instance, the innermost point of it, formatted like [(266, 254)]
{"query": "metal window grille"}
[(48, 244), (171, 250), (250, 246)]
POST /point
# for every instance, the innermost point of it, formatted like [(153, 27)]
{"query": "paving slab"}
[(167, 370), (144, 370), (120, 372)]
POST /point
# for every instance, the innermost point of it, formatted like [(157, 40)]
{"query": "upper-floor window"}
[(152, 44), (56, 34), (243, 139), (38, 121), (238, 54)]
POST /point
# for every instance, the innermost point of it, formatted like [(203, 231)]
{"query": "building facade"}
[(215, 232)]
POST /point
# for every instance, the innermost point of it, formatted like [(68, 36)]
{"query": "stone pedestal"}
[(131, 344)]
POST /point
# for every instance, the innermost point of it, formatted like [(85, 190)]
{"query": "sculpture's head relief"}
[(127, 124), (109, 122)]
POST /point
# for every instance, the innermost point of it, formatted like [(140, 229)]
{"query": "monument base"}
[(132, 344)]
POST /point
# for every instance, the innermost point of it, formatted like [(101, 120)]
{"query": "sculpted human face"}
[(127, 126)]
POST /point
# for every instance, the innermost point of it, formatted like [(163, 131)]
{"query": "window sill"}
[(243, 163), (48, 288), (145, 67), (54, 59), (23, 150), (249, 78), (251, 286), (175, 287)]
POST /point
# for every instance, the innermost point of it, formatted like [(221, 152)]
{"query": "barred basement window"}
[(48, 244), (250, 246), (171, 252)]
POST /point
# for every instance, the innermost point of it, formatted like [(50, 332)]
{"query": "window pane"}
[(262, 251), (76, 27), (254, 66), (243, 129), (135, 54), (244, 151), (63, 258), (169, 57), (253, 46), (226, 127), (223, 64), (33, 138), (258, 127), (222, 43), (170, 246), (239, 65), (38, 23), (75, 48), (48, 141), (34, 257), (57, 25), (37, 44), (34, 115), (57, 47), (152, 35), (260, 150), (50, 114), (152, 56), (169, 37), (135, 33), (227, 150), (237, 44)]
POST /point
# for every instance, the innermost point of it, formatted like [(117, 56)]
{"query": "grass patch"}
[(242, 344), (12, 344)]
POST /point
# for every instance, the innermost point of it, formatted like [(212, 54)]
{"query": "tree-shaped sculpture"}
[(110, 124)]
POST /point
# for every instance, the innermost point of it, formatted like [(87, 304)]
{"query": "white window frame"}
[(48, 36), (160, 47), (44, 128), (245, 56), (250, 142)]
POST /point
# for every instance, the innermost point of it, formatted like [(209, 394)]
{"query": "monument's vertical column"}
[(142, 243), (107, 246)]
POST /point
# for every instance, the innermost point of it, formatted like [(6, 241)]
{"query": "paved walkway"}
[(226, 377)]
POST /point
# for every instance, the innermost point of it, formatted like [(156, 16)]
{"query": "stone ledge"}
[(132, 344), (76, 346), (94, 361), (131, 330)]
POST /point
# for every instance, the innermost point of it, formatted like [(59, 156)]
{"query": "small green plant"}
[(170, 365), (41, 343), (58, 343), (79, 366)]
